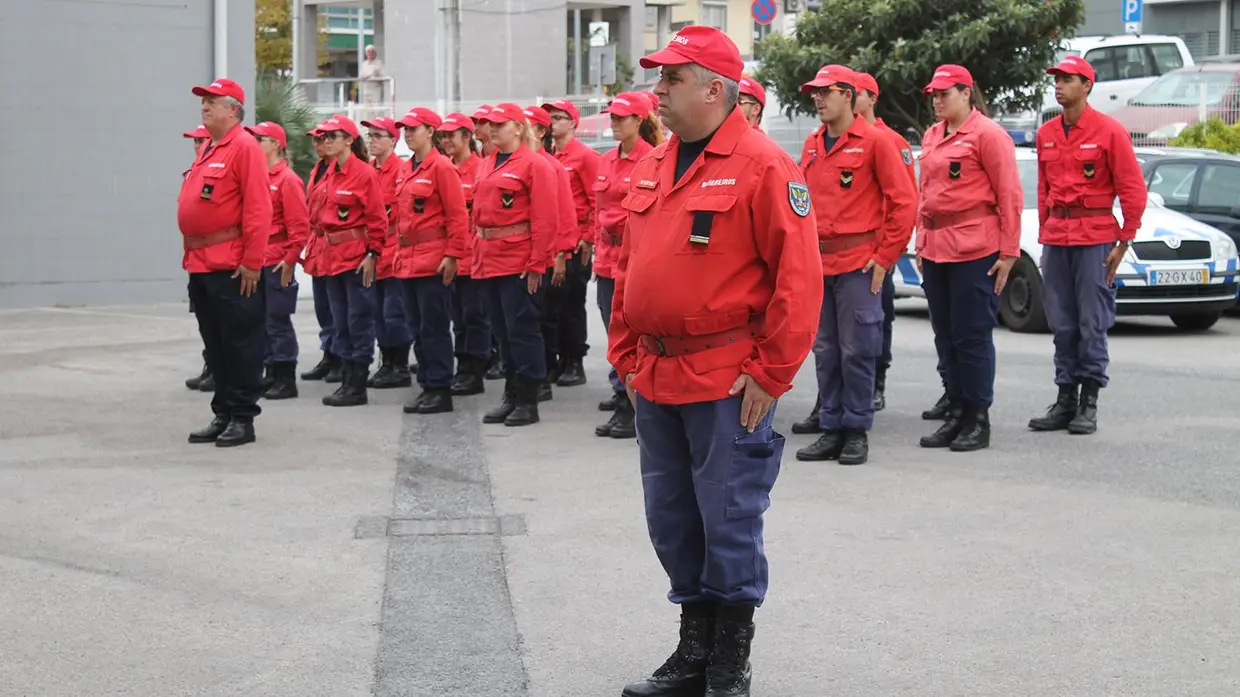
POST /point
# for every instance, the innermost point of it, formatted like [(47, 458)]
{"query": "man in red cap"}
[(718, 285), (1085, 162), (752, 101), (225, 214), (866, 204)]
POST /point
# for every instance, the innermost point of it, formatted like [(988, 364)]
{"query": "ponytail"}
[(548, 143), (359, 150), (528, 138), (649, 130), (977, 100), (319, 170)]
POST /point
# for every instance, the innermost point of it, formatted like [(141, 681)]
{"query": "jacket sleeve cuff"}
[(1126, 235), (627, 364), (771, 386)]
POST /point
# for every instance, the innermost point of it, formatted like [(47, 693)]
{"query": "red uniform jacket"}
[(515, 212), (431, 219), (1087, 169), (290, 219), (311, 259), (864, 200), (971, 197), (469, 169), (582, 163), (567, 234), (352, 218), (758, 270), (224, 196), (387, 181), (614, 173)]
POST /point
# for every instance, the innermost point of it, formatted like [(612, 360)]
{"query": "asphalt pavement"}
[(365, 552)]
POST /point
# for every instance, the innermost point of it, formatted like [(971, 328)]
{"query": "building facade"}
[(90, 211), (1208, 28)]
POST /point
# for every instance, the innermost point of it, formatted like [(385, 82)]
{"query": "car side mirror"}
[(1157, 198)]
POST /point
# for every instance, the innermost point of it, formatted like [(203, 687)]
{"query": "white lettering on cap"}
[(942, 74), (216, 84), (678, 39), (622, 100)]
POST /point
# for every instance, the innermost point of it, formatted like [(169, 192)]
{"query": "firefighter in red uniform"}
[(515, 213), (329, 368), (203, 382), (224, 212), (753, 101), (638, 133), (354, 223), (717, 297), (865, 203), (470, 326), (290, 227), (393, 331), (582, 163), (482, 131), (1085, 162)]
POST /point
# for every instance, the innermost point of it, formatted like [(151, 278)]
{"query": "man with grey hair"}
[(224, 212), (718, 288), (369, 74)]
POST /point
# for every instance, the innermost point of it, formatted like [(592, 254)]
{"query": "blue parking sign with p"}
[(1132, 11)]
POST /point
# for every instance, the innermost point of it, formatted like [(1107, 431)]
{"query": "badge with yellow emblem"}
[(506, 199), (798, 198), (1090, 171), (846, 179), (342, 213), (953, 169)]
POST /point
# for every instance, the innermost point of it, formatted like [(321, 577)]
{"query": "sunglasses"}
[(327, 137)]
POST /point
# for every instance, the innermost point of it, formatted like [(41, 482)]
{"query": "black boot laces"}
[(729, 658), (690, 654)]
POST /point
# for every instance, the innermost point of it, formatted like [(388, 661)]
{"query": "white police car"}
[(1176, 267)]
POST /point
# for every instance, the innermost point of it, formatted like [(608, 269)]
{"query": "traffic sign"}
[(763, 11), (1134, 11)]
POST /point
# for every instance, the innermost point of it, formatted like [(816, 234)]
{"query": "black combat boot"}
[(336, 374), (880, 389), (325, 365), (554, 368), (728, 673), (827, 447), (195, 382), (211, 431), (610, 404), (239, 432), (856, 447), (526, 397), (810, 424), (285, 385), (940, 411), (398, 374), (468, 378), (574, 374), (1086, 420), (604, 430), (943, 437), (974, 430), (544, 391), (506, 405), (1060, 414), (495, 369), (683, 674), (269, 375), (623, 427), (436, 401), (207, 384), (352, 392), (385, 367)]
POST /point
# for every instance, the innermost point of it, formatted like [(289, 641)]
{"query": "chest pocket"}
[(419, 192), (846, 170), (1091, 164), (600, 186), (508, 190), (637, 203), (212, 178), (343, 205), (704, 210)]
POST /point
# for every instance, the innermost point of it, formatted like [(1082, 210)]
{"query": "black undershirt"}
[(828, 142), (689, 152), (501, 158)]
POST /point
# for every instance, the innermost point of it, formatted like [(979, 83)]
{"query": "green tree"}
[(1212, 134), (1006, 45), (273, 36), (281, 101)]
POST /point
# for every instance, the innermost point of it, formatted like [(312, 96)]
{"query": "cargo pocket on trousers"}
[(869, 331), (752, 470)]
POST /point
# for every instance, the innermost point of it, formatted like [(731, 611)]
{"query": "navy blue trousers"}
[(707, 481), (393, 327), (429, 303), (353, 309), (234, 332), (281, 304), (606, 293), (515, 319), (1080, 308), (470, 325), (850, 339), (323, 313), (889, 318), (964, 311)]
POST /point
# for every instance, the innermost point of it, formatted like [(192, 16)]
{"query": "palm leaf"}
[(281, 101)]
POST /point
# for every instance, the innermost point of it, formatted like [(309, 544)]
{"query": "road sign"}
[(763, 11), (1134, 11)]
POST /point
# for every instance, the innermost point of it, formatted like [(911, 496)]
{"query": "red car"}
[(1181, 98)]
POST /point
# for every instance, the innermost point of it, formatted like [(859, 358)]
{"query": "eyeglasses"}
[(561, 117), (379, 135), (822, 92), (327, 137)]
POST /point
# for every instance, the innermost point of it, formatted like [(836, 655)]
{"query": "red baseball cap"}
[(866, 81), (482, 112), (505, 112), (831, 75), (538, 115), (1073, 65), (383, 123), (221, 87), (456, 121), (339, 122), (628, 104), (200, 132), (948, 76), (420, 116), (754, 89), (565, 106), (271, 130), (705, 46)]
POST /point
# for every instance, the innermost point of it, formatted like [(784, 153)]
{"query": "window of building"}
[(1201, 44), (1218, 190), (652, 17), (715, 15), (1167, 56)]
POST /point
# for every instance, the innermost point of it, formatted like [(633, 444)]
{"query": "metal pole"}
[(295, 55), (454, 54), (598, 132), (577, 81), (221, 38)]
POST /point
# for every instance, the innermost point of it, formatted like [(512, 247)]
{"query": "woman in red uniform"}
[(354, 224), (328, 369), (393, 331), (482, 130), (968, 237), (432, 223), (290, 227), (470, 325), (516, 216), (638, 133)]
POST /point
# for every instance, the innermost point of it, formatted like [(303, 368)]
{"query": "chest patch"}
[(342, 213), (846, 179), (505, 199), (1090, 170), (646, 184), (954, 169), (206, 192)]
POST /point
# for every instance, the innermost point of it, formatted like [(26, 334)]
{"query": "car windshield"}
[(1185, 89)]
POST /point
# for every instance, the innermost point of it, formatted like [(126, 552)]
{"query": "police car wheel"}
[(1196, 321), (1020, 305)]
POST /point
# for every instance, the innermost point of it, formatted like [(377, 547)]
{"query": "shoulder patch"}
[(798, 198), (907, 154)]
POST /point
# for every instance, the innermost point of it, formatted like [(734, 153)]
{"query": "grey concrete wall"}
[(95, 118), (1102, 17)]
